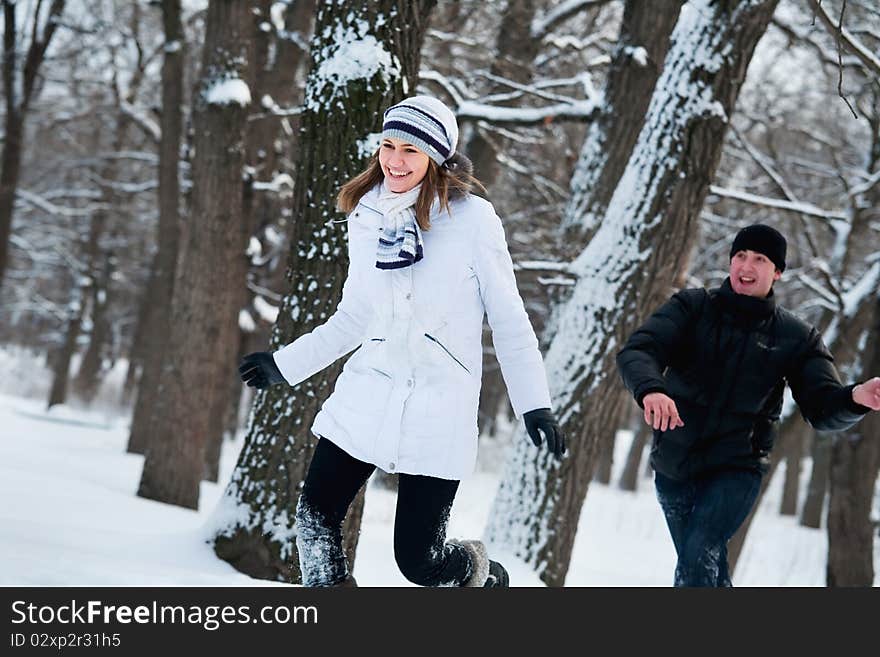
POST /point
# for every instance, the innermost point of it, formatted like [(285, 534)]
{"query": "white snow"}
[(228, 91), (639, 55), (268, 312), (245, 321), (77, 521), (369, 144), (276, 11), (355, 55)]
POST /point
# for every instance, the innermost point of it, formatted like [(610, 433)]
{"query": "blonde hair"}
[(452, 180)]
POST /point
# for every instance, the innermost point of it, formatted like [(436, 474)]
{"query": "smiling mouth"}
[(745, 280), (395, 174)]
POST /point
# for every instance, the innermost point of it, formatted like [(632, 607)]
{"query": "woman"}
[(427, 261)]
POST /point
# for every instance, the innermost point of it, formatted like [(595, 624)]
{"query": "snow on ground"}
[(71, 517)]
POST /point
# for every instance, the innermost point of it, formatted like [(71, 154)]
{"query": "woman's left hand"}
[(542, 420)]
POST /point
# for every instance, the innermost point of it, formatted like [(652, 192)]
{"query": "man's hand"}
[(660, 412), (868, 393), (258, 370), (542, 420)]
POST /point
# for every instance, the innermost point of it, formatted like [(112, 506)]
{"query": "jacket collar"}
[(370, 200), (744, 307)]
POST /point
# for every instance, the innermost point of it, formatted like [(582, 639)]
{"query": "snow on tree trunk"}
[(364, 58), (632, 75), (635, 67), (626, 271), (200, 354), (152, 332)]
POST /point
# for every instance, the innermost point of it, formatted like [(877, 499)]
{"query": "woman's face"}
[(403, 164)]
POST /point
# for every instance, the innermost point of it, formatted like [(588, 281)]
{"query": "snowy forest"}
[(167, 204)]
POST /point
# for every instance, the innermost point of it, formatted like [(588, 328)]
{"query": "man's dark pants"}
[(702, 515)]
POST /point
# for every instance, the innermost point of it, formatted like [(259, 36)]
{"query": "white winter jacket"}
[(407, 400)]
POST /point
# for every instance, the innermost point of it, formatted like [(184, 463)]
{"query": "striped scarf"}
[(400, 240)]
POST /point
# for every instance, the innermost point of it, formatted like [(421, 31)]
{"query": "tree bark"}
[(265, 485), (855, 459), (515, 51), (63, 355), (632, 76), (277, 60), (855, 454), (791, 486), (203, 333), (627, 270), (629, 479), (814, 504), (152, 333), (92, 368)]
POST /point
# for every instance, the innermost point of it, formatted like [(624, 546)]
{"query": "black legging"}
[(423, 505)]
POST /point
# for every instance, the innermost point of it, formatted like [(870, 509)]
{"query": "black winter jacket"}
[(724, 358)]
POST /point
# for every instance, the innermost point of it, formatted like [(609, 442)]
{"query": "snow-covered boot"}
[(498, 577), (484, 571)]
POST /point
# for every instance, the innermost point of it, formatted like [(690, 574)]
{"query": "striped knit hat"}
[(424, 122)]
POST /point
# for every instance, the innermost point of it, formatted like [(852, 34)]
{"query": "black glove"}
[(541, 420), (259, 370)]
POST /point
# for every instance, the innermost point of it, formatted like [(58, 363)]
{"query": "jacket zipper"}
[(449, 353)]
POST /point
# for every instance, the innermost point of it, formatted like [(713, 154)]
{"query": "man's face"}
[(752, 273)]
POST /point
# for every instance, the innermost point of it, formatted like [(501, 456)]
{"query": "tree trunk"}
[(606, 458), (814, 504), (635, 67), (18, 88), (92, 368), (63, 355), (515, 51), (629, 479), (9, 174), (276, 62), (152, 333), (791, 486), (265, 485), (626, 271), (855, 453), (203, 334), (855, 459)]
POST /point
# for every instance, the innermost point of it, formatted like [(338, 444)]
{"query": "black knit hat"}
[(763, 239)]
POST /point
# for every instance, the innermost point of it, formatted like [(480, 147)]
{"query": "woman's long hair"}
[(454, 179)]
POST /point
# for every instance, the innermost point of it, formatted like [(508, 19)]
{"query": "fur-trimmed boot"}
[(484, 572)]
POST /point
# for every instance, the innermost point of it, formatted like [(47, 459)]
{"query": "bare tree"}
[(626, 270), (204, 311), (153, 321), (278, 55), (19, 85)]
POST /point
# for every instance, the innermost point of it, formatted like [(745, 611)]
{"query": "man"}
[(709, 368)]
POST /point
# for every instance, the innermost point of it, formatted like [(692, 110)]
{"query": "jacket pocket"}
[(447, 352), (371, 361)]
